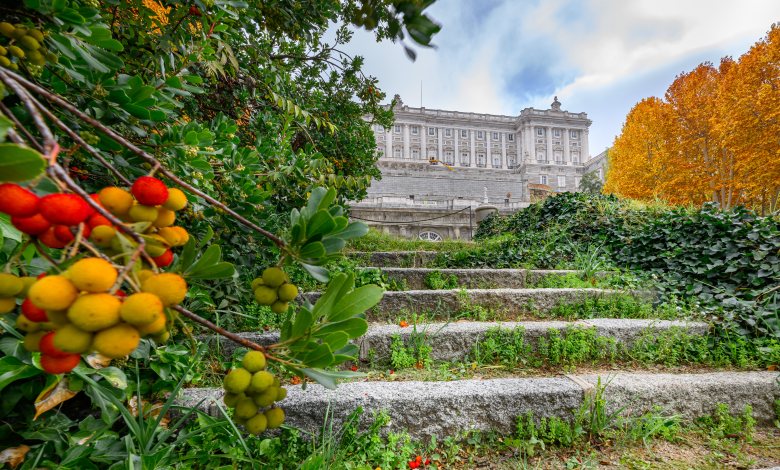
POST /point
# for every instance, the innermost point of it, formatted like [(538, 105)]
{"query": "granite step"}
[(417, 278), (455, 341), (504, 303), (410, 259), (425, 409)]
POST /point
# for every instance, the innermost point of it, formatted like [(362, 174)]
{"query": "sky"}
[(598, 56)]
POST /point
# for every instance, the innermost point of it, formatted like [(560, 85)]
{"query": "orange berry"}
[(116, 200), (164, 259)]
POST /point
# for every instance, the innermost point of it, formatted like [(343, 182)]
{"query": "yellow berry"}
[(6, 29), (25, 324), (156, 327), (256, 282), (16, 51), (246, 408), (261, 380), (71, 339), (53, 293), (36, 33), (117, 341), (142, 213), (231, 399), (102, 235), (279, 307), (92, 275), (170, 288), (32, 341), (141, 309), (177, 200), (170, 235), (93, 312), (7, 304), (10, 285), (27, 282), (165, 218), (30, 43), (116, 200), (266, 397)]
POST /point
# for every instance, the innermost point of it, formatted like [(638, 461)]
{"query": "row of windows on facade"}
[(464, 133), (464, 157), (544, 179)]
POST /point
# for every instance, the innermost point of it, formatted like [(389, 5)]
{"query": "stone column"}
[(407, 143), (424, 142), (549, 144), (566, 150), (488, 157), (456, 135), (585, 152), (389, 143), (503, 150), (441, 145), (473, 156), (530, 142)]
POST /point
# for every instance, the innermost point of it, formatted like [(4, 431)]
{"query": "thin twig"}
[(49, 142), (218, 329), (7, 112), (45, 255), (141, 153)]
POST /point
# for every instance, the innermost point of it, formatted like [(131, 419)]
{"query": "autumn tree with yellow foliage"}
[(714, 136)]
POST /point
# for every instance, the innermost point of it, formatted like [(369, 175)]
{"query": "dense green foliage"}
[(727, 261)]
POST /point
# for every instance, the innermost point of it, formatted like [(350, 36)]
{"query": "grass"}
[(378, 241)]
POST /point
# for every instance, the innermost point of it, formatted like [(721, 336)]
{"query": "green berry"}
[(258, 281), (231, 399), (36, 58), (10, 285), (16, 51), (19, 32), (246, 408), (281, 394), (7, 29), (36, 33), (253, 361), (287, 292), (267, 397), (29, 43), (256, 424), (237, 380), (275, 417), (262, 380), (279, 307), (265, 295), (274, 277)]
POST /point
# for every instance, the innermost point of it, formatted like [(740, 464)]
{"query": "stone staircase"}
[(442, 408)]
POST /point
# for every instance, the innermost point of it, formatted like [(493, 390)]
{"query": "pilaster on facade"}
[(407, 150), (566, 147), (549, 152), (584, 153), (503, 150), (473, 156), (440, 157)]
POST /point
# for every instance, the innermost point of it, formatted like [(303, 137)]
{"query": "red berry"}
[(47, 346), (121, 294), (65, 234), (49, 238), (60, 365), (97, 219), (34, 225), (64, 209), (40, 276), (194, 11), (149, 191), (164, 259), (32, 312), (17, 201)]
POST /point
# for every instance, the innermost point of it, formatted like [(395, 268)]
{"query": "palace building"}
[(434, 159)]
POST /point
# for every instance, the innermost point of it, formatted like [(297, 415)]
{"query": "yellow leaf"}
[(53, 396), (14, 456)]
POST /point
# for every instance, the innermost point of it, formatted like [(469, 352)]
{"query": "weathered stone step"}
[(410, 259), (455, 341), (444, 409), (417, 278), (503, 303)]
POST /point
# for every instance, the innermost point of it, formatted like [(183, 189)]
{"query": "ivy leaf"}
[(20, 163)]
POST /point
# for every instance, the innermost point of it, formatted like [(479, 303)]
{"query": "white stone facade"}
[(435, 155)]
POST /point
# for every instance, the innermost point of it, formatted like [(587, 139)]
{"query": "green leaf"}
[(328, 378), (313, 204), (336, 340), (303, 321), (353, 327), (356, 302), (321, 356), (333, 245), (353, 230), (312, 250), (9, 231), (114, 376), (20, 163), (12, 369), (321, 223), (5, 125), (210, 257), (317, 272), (221, 270), (326, 300)]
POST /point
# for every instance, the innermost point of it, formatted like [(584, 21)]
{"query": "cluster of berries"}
[(275, 289), (251, 391), (24, 44), (73, 313), (55, 218)]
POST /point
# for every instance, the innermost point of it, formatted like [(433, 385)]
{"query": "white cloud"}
[(598, 56)]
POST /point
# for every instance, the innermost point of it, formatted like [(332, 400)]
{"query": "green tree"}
[(590, 183)]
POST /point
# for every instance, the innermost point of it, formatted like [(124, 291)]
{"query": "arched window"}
[(430, 236)]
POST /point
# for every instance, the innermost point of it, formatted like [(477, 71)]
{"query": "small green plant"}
[(414, 352), (472, 311), (577, 345), (722, 424), (502, 346), (436, 280), (611, 306)]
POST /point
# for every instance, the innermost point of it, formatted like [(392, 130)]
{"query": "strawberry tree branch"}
[(54, 98)]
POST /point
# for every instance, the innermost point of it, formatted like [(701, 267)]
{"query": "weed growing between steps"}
[(378, 241), (507, 352)]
